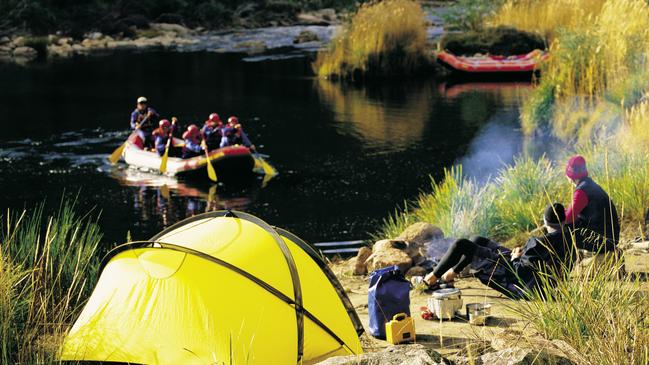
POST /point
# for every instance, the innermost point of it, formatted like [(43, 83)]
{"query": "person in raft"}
[(591, 214), (162, 134), (233, 134), (211, 131), (194, 144), (143, 120), (516, 272)]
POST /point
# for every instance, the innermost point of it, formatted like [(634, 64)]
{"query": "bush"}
[(498, 41), (386, 38)]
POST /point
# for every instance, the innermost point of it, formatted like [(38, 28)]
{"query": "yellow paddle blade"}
[(163, 161), (211, 173), (268, 169), (117, 154)]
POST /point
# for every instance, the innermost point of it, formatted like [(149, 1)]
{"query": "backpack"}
[(388, 295)]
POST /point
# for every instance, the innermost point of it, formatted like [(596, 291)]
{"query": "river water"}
[(347, 155)]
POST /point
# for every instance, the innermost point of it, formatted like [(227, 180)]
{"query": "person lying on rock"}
[(512, 272)]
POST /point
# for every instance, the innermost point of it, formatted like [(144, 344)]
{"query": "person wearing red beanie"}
[(591, 209)]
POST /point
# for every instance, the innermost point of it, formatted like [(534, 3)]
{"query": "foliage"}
[(469, 14), (117, 16), (48, 265), (499, 41), (385, 38)]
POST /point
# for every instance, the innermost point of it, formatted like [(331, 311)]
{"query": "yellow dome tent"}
[(217, 288)]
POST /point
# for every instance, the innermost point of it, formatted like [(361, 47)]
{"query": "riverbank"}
[(591, 100), (309, 30)]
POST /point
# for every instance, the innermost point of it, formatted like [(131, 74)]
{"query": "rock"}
[(319, 17), (19, 41), (52, 39), (26, 53), (421, 233), (360, 266), (6, 50), (416, 271), (515, 356), (4, 40), (77, 48), (93, 35), (394, 355), (388, 253), (64, 41), (252, 46), (60, 51), (305, 36), (177, 29)]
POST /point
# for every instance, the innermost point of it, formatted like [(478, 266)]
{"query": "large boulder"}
[(394, 355), (389, 253), (421, 233), (515, 356), (27, 53), (360, 264)]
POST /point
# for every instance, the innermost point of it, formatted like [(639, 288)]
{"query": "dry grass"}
[(384, 38)]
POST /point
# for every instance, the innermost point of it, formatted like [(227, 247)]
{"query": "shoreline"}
[(307, 31)]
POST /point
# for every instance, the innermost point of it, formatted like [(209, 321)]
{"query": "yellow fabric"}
[(161, 306)]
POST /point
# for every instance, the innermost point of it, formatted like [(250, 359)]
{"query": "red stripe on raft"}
[(518, 63)]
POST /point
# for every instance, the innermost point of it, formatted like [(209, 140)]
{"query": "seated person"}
[(512, 272), (193, 142), (239, 136), (212, 131), (162, 134), (143, 119)]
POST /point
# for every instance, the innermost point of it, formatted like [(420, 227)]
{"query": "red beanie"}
[(576, 168)]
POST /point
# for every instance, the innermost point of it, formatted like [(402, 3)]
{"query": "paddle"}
[(211, 173), (269, 170), (165, 156), (117, 154)]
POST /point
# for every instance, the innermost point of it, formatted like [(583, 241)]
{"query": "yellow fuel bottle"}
[(400, 329)]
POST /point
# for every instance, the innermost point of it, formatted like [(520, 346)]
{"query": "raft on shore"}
[(484, 65), (232, 162)]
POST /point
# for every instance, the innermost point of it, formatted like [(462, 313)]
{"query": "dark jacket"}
[(549, 254), (599, 216)]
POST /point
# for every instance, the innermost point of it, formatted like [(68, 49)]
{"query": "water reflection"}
[(374, 116), (165, 199)]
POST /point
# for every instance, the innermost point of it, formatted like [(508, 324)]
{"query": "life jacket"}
[(148, 125), (600, 215)]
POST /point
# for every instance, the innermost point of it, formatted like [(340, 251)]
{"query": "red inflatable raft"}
[(494, 64)]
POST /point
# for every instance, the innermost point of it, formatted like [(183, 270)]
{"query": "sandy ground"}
[(446, 337)]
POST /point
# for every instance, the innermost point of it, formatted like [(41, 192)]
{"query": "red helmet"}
[(233, 120), (192, 132), (214, 117), (165, 124)]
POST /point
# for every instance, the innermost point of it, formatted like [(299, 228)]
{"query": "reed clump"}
[(598, 314), (48, 265), (384, 38)]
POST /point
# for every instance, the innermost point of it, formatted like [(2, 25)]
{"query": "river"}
[(347, 155)]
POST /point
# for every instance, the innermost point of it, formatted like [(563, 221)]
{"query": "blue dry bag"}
[(389, 294)]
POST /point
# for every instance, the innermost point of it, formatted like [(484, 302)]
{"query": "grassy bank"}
[(384, 39), (592, 97), (118, 16), (48, 265)]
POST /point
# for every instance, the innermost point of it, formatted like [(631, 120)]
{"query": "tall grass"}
[(48, 265), (603, 319), (384, 38), (599, 56)]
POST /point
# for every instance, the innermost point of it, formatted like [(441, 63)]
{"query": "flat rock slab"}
[(393, 355)]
